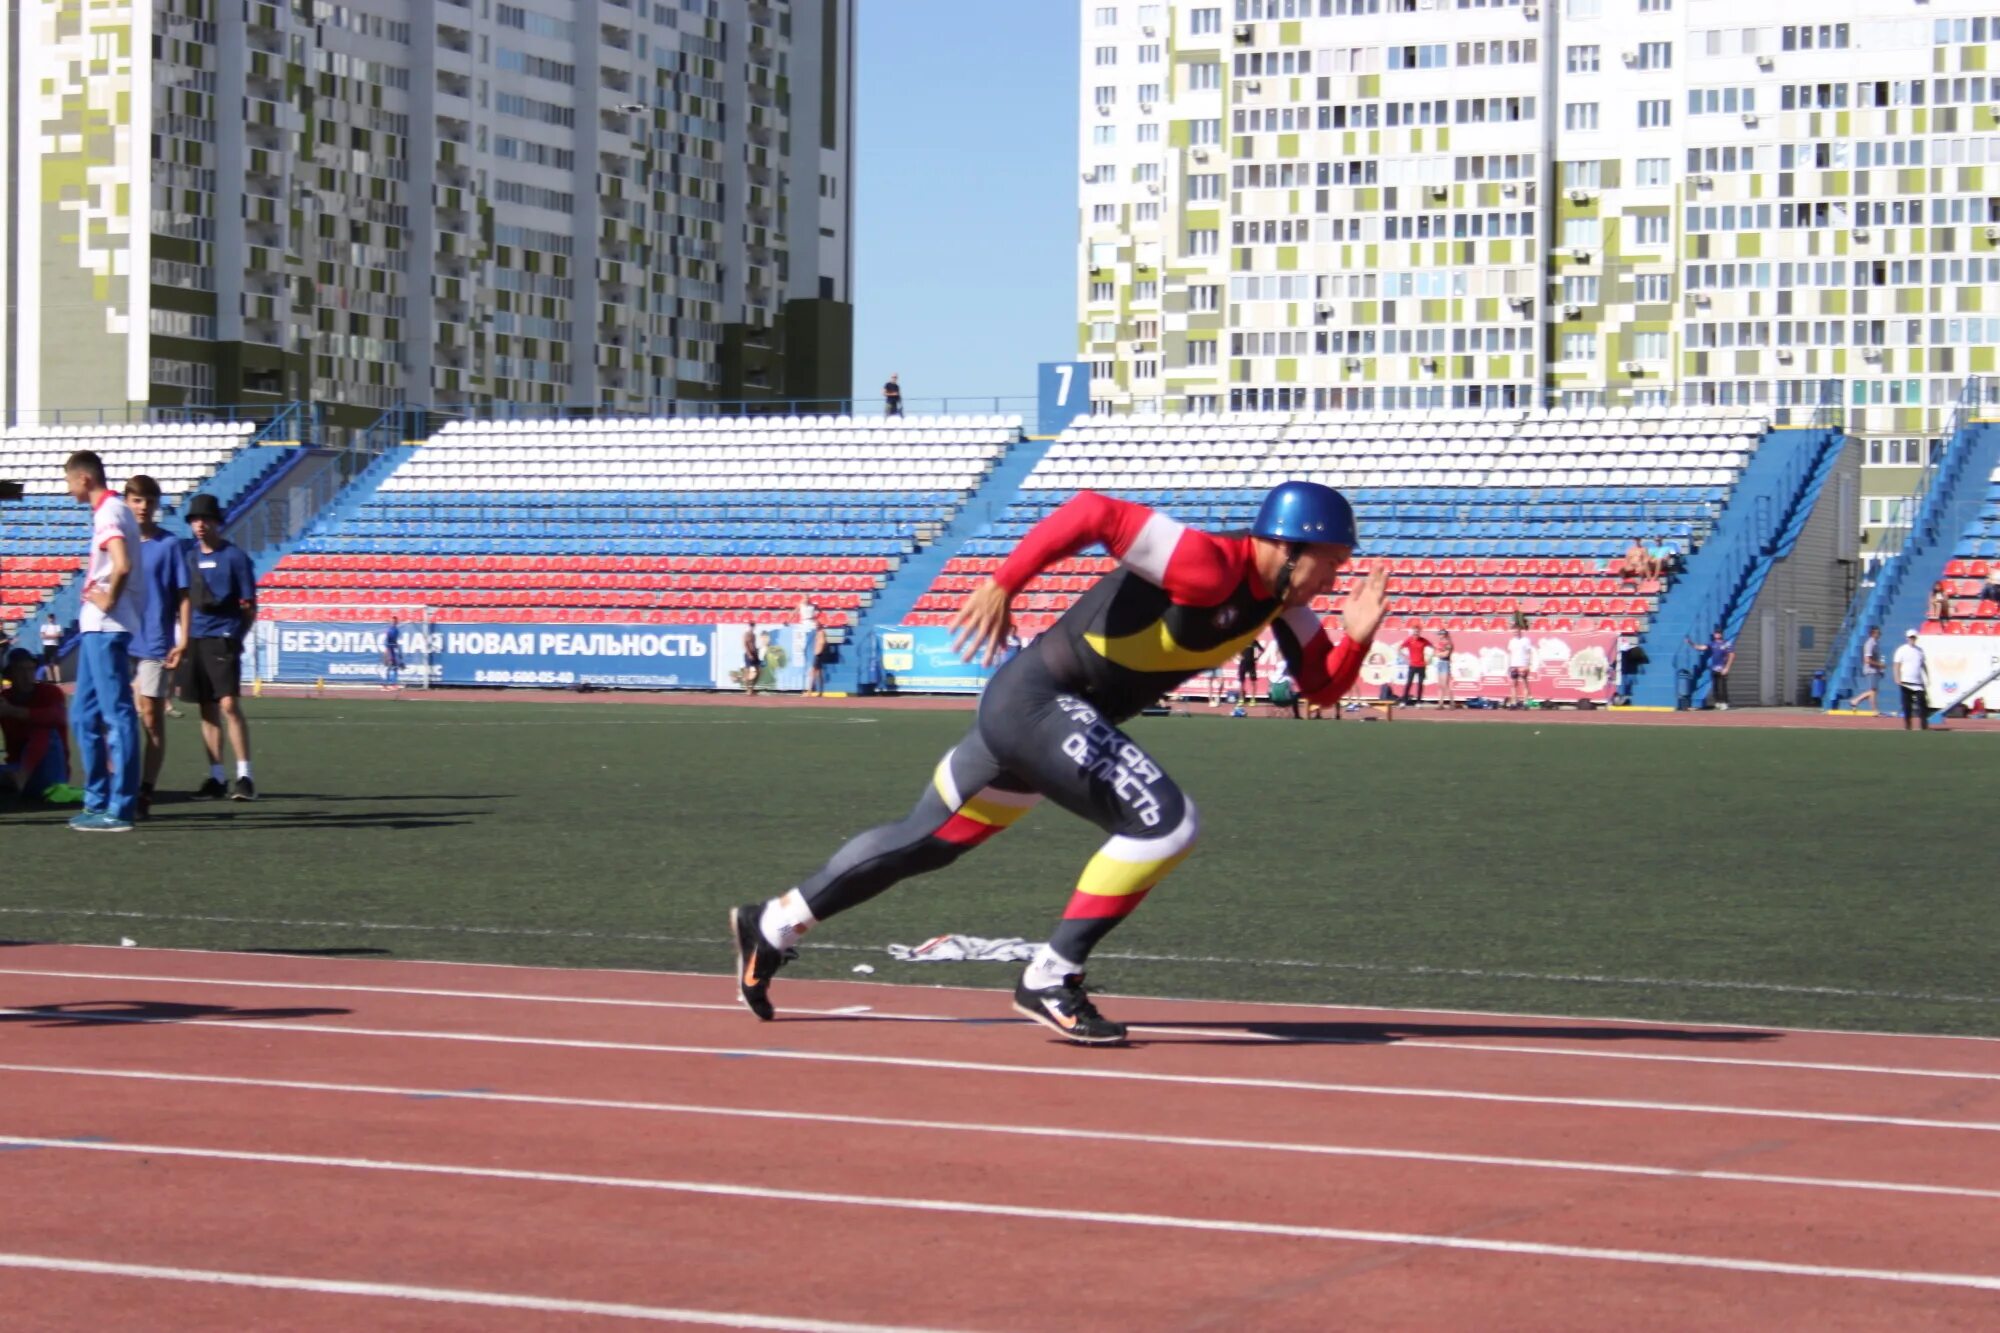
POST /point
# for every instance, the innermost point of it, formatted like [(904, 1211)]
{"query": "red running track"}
[(207, 1140)]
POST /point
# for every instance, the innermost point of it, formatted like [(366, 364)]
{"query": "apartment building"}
[(1349, 204), (612, 204)]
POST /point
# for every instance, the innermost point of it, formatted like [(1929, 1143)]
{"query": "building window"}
[(1580, 289), (1649, 346), (1655, 6), (1650, 229), (1146, 212), (1579, 347), (1204, 187), (1148, 290), (1107, 55), (1655, 113), (1149, 132), (1104, 330), (1204, 297), (1580, 233), (1204, 77), (1104, 215), (1650, 171), (1580, 115), (1103, 293), (1582, 175), (1202, 22), (1655, 55), (1582, 9), (1149, 93), (1105, 95), (1652, 288), (1103, 135), (1204, 241), (1581, 60), (1149, 54), (1202, 353), (1107, 17), (1204, 133)]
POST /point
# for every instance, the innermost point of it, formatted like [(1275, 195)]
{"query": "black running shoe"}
[(756, 960), (211, 790), (1066, 1010), (243, 789)]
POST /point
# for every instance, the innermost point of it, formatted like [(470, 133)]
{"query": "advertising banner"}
[(1957, 663), (920, 657), (1568, 667), (551, 655)]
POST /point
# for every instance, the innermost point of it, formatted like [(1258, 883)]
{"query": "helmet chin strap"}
[(1283, 583)]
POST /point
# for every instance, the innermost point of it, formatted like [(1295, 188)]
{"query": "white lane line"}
[(1021, 1131), (49, 1263), (1309, 964), (1469, 1046), (267, 1030), (969, 1208)]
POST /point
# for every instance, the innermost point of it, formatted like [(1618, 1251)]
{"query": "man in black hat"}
[(220, 608)]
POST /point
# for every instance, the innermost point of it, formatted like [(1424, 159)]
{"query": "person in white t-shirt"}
[(103, 715), (1909, 667), (1520, 665), (52, 637)]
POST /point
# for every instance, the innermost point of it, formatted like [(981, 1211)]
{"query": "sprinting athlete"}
[(1181, 602)]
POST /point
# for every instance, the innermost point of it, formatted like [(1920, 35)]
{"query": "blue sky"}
[(965, 203)]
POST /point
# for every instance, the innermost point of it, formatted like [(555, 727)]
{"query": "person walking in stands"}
[(392, 655), (222, 606), (1418, 649), (1871, 671), (51, 650), (892, 397), (1910, 668), (158, 645), (114, 608), (1447, 690), (1048, 725), (1520, 663)]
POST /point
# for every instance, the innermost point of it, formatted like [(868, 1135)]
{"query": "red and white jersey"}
[(1182, 602), (111, 520)]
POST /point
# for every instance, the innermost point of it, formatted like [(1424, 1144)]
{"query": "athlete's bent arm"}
[(1324, 669)]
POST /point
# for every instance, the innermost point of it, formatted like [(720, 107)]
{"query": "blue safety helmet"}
[(1305, 511)]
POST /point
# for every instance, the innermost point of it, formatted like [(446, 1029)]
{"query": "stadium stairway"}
[(914, 576), (1777, 493), (342, 505), (1899, 598)]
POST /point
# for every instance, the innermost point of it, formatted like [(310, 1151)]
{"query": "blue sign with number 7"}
[(1064, 395)]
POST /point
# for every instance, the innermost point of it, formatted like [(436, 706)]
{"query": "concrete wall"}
[(1792, 624)]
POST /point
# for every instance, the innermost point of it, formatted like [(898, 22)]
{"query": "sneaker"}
[(210, 790), (100, 824), (756, 960), (243, 789), (1067, 1011), (85, 817)]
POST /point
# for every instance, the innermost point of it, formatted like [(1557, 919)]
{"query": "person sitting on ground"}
[(34, 718)]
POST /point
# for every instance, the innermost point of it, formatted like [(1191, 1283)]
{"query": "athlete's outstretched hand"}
[(1361, 615), (979, 630)]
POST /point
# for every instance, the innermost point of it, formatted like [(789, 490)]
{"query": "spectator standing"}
[(114, 605), (1872, 667), (1418, 649), (892, 397), (1520, 664), (1447, 688), (52, 649), (813, 636), (222, 603), (1246, 674), (158, 644), (1721, 657), (753, 661), (34, 718), (1910, 668), (392, 655)]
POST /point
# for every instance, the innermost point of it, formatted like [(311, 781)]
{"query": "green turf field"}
[(1808, 878)]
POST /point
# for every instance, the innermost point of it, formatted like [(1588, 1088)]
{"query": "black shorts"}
[(211, 669), (49, 656)]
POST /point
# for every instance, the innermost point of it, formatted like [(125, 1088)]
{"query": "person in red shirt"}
[(34, 717), (1181, 602), (1418, 650)]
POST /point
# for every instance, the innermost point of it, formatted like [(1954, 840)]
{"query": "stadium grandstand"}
[(682, 520), (47, 534)]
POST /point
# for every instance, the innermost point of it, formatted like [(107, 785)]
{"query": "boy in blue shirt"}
[(156, 645), (221, 607)]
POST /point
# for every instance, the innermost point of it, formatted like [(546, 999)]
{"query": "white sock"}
[(215, 772), (1049, 968), (786, 918), (242, 768)]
